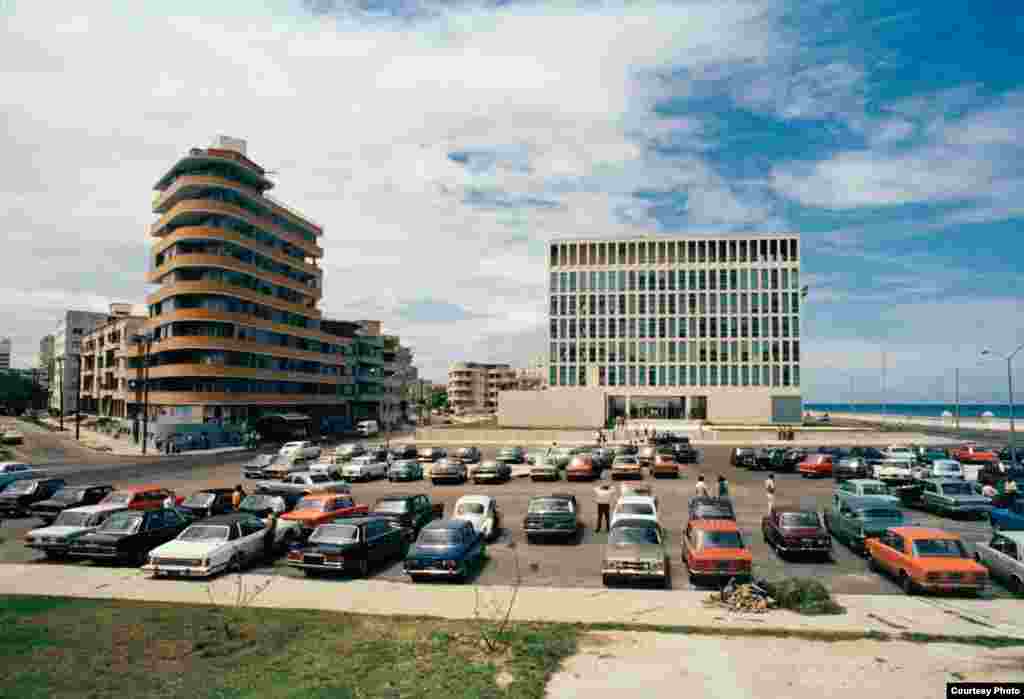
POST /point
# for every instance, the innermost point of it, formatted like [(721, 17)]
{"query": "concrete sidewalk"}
[(892, 616), (125, 446)]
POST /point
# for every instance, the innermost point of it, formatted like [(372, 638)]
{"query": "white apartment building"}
[(473, 387), (67, 347), (687, 328)]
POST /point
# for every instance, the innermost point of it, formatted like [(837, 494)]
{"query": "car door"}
[(886, 552), (844, 523), (253, 535)]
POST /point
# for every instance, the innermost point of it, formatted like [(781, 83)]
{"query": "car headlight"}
[(656, 566)]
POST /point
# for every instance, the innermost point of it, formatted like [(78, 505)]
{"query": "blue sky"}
[(441, 145)]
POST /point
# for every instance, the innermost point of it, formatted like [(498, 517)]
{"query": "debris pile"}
[(749, 597)]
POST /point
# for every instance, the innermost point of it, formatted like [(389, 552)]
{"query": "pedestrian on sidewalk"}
[(769, 489), (702, 487), (236, 497), (603, 496), (723, 487)]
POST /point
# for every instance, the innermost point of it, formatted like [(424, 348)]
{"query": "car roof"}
[(865, 481), (924, 533), (869, 502), (482, 499), (643, 499), (718, 525), (635, 522), (447, 524), (93, 509), (228, 519)]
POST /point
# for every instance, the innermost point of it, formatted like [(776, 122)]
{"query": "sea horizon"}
[(921, 409)]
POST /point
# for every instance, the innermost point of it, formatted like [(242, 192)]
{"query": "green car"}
[(405, 470), (411, 512), (551, 515), (636, 552), (857, 519)]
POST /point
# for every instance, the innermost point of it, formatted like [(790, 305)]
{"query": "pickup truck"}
[(306, 482)]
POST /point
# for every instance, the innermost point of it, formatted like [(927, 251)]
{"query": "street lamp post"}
[(146, 342), (60, 361), (78, 398), (1009, 383)]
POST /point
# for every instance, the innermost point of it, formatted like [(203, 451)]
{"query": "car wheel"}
[(1016, 586), (606, 581), (873, 564), (977, 558), (364, 568), (907, 583)]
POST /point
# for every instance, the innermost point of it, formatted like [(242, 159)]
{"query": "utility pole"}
[(60, 361), (78, 398)]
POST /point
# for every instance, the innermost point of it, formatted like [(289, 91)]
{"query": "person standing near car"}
[(702, 487), (603, 495), (236, 497), (769, 489), (723, 487)]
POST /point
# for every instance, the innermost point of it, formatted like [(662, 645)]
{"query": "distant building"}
[(44, 361), (473, 387), (5, 353), (111, 374), (67, 346)]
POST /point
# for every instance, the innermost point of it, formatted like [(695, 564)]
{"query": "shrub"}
[(803, 595)]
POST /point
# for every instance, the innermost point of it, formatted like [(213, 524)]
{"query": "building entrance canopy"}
[(658, 407)]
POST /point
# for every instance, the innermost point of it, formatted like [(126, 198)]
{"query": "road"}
[(566, 565)]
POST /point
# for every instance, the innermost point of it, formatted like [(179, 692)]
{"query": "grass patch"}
[(57, 648), (803, 595)]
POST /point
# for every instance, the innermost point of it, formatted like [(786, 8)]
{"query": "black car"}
[(129, 536), (625, 450), (793, 458), (853, 467), (1004, 454), (869, 454), (511, 455), (68, 497), (351, 546), (602, 457), (551, 515), (207, 503), (743, 457), (711, 508), (773, 459), (468, 455), (17, 499), (403, 451), (412, 512), (993, 474), (685, 452)]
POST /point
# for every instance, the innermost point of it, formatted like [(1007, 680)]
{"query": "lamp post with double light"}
[(1009, 382)]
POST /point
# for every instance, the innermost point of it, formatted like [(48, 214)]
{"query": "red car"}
[(816, 466), (323, 508), (796, 531), (141, 497), (973, 454)]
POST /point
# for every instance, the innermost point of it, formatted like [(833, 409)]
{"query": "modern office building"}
[(473, 387), (5, 353), (67, 346), (680, 328)]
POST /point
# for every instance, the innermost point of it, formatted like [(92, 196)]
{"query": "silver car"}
[(452, 470), (1004, 558)]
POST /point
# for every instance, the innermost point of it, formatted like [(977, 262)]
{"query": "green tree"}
[(439, 401), (15, 391)]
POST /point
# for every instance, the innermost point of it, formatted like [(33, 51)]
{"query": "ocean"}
[(920, 409)]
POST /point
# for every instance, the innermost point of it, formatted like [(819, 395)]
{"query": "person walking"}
[(723, 487), (769, 489), (702, 487), (236, 497), (603, 496)]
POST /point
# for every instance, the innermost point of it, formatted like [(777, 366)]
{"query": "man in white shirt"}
[(603, 495), (702, 487), (769, 489)]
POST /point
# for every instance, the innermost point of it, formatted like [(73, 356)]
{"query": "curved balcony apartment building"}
[(235, 323)]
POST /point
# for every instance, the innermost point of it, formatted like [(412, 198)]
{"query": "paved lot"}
[(574, 564)]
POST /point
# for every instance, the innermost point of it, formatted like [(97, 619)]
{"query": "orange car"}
[(973, 454), (141, 497), (582, 467), (714, 549), (322, 508), (665, 465), (926, 559), (816, 466)]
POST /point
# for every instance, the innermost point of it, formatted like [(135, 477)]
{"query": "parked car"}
[(953, 497), (11, 471), (895, 451), (1003, 555), (869, 454), (636, 552), (141, 497), (793, 458), (482, 512), (511, 455), (402, 451), (743, 457), (428, 455), (301, 450), (973, 454), (412, 512), (207, 503), (930, 455), (1006, 457), (940, 468), (545, 469), (863, 487), (320, 508), (713, 550), (224, 543), (995, 474), (306, 482), (253, 468), (495, 472), (626, 467), (449, 471), (365, 468), (55, 539), (926, 559), (854, 520), (791, 531), (68, 497), (625, 449), (710, 508), (350, 546), (269, 509), (582, 467), (17, 498), (635, 507), (665, 465), (816, 466), (895, 471), (1007, 515), (551, 515), (405, 470), (447, 548), (283, 465), (347, 452), (853, 467), (769, 459), (602, 457), (685, 452), (129, 536), (468, 455)]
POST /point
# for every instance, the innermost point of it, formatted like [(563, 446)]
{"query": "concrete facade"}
[(580, 407), (111, 380), (473, 387), (67, 346)]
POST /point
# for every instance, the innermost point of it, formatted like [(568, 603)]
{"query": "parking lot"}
[(578, 563)]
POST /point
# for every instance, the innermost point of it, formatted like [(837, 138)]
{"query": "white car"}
[(897, 452), (306, 482), (284, 464), (300, 450), (365, 468), (940, 468), (223, 543), (895, 470), (482, 512), (56, 539), (636, 507), (270, 508)]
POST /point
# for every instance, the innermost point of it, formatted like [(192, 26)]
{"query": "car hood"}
[(966, 499), (433, 552), (53, 504), (59, 532), (634, 552), (104, 538), (187, 549)]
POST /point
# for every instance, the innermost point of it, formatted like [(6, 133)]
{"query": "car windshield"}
[(800, 519), (117, 498), (634, 535), (259, 503), (874, 489), (465, 451), (319, 478), (123, 524), (469, 508), (636, 508), (20, 488), (335, 534), (262, 460), (947, 468), (438, 537), (72, 519), (311, 504), (625, 460), (204, 532), (392, 506), (550, 505), (199, 500), (720, 540), (957, 489), (894, 515), (939, 548), (69, 494)]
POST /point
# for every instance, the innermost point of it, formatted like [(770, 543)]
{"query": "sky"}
[(441, 145)]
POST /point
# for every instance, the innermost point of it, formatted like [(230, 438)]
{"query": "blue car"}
[(1009, 517), (446, 548)]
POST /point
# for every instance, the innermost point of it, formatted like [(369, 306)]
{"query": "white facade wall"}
[(67, 347)]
